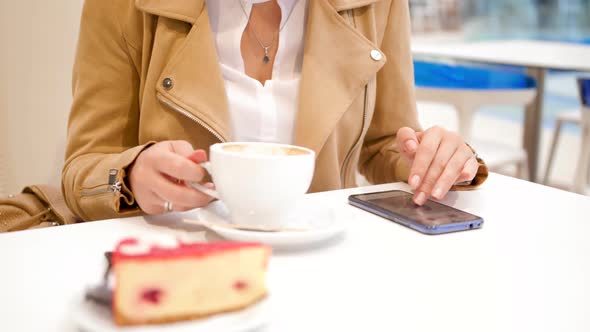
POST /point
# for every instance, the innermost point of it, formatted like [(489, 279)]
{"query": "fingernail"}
[(437, 193), (414, 181), (420, 199), (411, 145)]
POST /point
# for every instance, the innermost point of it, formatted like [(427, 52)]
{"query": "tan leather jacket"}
[(147, 71)]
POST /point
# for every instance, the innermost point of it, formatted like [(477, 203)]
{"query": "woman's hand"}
[(159, 175), (439, 159)]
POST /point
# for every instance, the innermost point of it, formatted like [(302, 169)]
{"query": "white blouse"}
[(264, 113)]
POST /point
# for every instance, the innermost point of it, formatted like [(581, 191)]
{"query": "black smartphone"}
[(430, 218)]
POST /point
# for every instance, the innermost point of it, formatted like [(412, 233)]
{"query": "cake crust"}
[(141, 271), (122, 320)]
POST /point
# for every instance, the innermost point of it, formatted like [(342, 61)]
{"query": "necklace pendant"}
[(266, 59)]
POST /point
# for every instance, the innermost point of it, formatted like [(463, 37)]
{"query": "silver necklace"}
[(266, 58)]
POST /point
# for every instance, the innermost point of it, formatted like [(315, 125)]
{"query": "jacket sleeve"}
[(395, 105), (103, 125)]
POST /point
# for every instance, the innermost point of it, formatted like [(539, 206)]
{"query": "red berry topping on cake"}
[(240, 285), (152, 295)]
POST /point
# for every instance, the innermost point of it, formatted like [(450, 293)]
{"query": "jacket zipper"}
[(189, 115), (351, 17), (345, 163), (113, 186)]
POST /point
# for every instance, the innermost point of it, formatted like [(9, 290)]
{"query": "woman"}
[(157, 82)]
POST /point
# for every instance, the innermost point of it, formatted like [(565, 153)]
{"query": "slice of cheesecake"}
[(158, 282)]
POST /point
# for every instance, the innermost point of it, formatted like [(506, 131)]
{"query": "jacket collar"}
[(340, 5), (337, 63), (183, 10), (189, 10)]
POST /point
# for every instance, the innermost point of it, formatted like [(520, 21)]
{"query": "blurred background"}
[(436, 22), (481, 19), (38, 40), (37, 45)]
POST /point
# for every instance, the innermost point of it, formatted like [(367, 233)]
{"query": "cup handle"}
[(213, 193)]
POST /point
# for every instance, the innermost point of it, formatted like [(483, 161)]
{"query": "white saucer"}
[(320, 223), (91, 317)]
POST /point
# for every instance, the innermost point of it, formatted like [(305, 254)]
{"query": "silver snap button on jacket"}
[(167, 83), (376, 55)]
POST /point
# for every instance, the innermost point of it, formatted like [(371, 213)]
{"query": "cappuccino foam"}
[(266, 150)]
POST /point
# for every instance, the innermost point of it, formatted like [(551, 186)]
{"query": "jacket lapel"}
[(197, 82), (336, 67)]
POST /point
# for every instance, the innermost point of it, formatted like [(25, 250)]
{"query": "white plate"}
[(91, 317), (320, 223)]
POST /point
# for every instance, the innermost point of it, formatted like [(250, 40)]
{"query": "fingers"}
[(174, 160), (150, 202), (206, 200), (159, 173), (441, 160), (446, 151), (198, 156), (161, 190), (185, 149), (424, 156), (179, 194), (469, 171), (179, 167), (452, 172), (157, 205), (182, 148), (407, 141)]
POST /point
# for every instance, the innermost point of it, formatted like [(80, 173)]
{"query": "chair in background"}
[(468, 89), (581, 118)]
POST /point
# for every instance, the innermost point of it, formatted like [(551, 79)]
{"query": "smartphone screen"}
[(428, 217)]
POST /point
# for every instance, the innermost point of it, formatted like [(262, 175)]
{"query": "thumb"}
[(407, 141)]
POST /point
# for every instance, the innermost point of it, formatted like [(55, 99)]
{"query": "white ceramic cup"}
[(258, 182)]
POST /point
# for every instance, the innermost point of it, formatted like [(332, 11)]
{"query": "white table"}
[(536, 56), (528, 269)]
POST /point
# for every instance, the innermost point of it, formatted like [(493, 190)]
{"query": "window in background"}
[(484, 19)]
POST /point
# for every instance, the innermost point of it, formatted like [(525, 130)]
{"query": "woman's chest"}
[(183, 74)]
